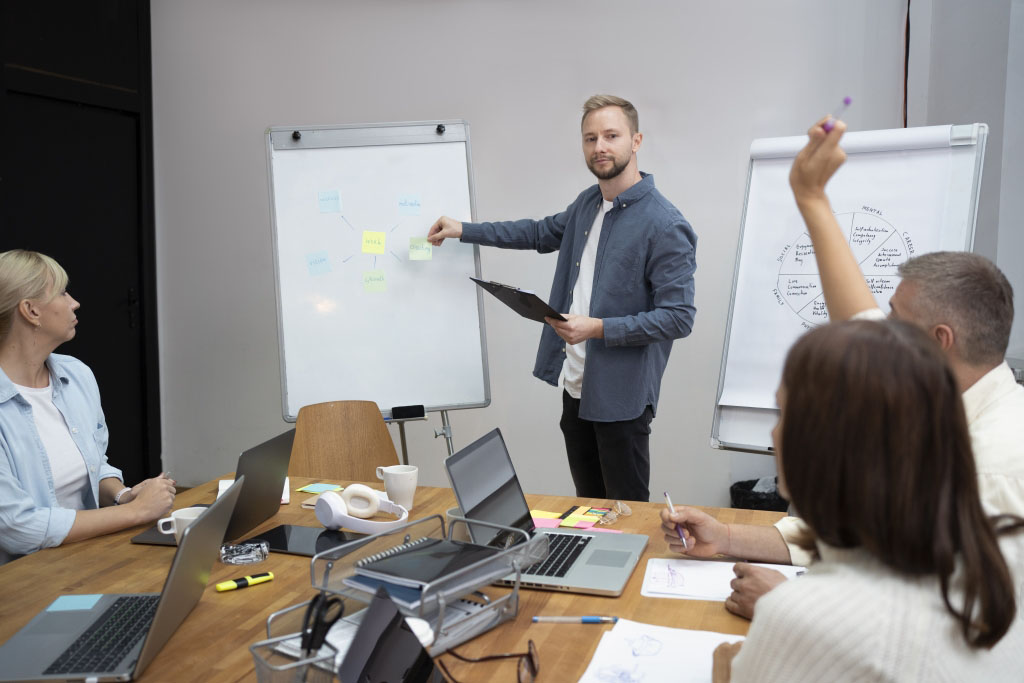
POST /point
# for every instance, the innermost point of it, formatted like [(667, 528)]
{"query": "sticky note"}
[(584, 524), (420, 249), (373, 281), (66, 603), (373, 242), (571, 521), (329, 201), (607, 531), (318, 263), (319, 487), (545, 522), (544, 514), (409, 205)]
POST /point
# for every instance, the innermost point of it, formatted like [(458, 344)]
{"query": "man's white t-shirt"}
[(70, 478), (576, 354)]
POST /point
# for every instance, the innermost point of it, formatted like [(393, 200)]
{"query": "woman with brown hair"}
[(914, 581)]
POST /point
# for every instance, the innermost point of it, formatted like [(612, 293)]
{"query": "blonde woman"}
[(56, 485)]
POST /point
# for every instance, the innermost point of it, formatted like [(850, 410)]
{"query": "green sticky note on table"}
[(319, 487)]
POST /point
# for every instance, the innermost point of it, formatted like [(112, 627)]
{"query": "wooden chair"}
[(341, 440)]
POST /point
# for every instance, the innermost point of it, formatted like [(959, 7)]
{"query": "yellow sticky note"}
[(419, 249), (590, 518), (571, 520), (543, 514), (373, 281), (373, 242)]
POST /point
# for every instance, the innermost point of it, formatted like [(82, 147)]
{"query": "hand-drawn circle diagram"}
[(878, 247)]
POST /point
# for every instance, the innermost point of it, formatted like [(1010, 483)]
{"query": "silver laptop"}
[(579, 561), (71, 639), (264, 466)]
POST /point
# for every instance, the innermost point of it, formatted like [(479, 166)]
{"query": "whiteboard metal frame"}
[(959, 134), (368, 135)]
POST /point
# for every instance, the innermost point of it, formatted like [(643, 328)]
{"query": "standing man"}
[(625, 277)]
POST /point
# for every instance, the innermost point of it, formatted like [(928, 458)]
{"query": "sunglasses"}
[(529, 663)]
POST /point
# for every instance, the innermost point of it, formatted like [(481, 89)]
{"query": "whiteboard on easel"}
[(367, 309), (901, 193)]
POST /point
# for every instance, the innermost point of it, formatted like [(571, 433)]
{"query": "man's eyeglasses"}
[(529, 663)]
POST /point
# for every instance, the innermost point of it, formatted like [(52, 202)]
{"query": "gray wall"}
[(707, 79)]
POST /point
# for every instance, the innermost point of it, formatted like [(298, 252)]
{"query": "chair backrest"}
[(341, 440)]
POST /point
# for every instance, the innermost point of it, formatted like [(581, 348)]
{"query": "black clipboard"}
[(523, 302)]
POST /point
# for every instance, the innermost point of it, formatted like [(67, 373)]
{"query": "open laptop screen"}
[(486, 486)]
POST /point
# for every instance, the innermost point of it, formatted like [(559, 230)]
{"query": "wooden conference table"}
[(212, 644)]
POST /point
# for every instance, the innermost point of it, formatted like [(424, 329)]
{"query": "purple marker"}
[(830, 123)]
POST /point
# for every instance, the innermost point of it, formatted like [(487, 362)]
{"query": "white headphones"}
[(352, 508)]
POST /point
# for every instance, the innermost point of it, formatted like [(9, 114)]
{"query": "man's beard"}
[(617, 167)]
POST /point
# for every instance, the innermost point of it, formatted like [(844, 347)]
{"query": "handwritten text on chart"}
[(373, 281), (329, 200), (409, 205), (318, 263), (373, 242), (419, 249)]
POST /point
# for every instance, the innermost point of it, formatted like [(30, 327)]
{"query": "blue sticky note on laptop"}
[(66, 603)]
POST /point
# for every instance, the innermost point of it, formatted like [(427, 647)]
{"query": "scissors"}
[(321, 614)]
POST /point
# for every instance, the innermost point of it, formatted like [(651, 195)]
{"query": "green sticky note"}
[(420, 249), (373, 281)]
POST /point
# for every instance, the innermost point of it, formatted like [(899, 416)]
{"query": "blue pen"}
[(671, 509), (576, 620)]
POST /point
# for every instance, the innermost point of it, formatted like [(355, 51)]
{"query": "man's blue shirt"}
[(643, 291), (30, 517)]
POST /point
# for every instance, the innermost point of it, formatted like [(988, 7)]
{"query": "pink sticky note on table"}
[(584, 524), (607, 531), (545, 523)]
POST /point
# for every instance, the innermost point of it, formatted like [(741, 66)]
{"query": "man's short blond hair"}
[(601, 101), (26, 275)]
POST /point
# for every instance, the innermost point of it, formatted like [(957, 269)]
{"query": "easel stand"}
[(445, 431)]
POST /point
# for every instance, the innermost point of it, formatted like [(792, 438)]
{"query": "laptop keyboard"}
[(563, 549), (110, 638)]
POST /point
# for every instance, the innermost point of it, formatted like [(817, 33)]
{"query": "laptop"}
[(264, 467), (579, 561), (65, 641)]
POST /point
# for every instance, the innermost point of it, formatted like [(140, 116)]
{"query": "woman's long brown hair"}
[(876, 454)]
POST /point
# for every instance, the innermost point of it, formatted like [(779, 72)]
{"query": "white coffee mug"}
[(400, 483), (179, 521)]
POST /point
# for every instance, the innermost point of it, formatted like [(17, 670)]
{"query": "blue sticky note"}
[(318, 263), (329, 200), (409, 205), (66, 603), (319, 488)]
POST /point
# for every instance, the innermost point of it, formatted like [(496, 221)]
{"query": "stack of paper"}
[(632, 651), (696, 579)]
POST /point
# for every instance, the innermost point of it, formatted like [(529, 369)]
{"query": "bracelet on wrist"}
[(117, 498)]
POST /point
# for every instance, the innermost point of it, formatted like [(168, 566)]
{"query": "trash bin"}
[(748, 495)]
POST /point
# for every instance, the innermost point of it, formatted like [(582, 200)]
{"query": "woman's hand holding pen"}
[(705, 536)]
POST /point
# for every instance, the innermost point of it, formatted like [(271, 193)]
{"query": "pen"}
[(244, 581), (830, 123), (671, 509), (576, 620)]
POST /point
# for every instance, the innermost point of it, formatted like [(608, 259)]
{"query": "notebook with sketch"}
[(265, 467), (113, 637), (487, 489)]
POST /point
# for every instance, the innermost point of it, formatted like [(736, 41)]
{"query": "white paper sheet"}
[(632, 652), (696, 579)]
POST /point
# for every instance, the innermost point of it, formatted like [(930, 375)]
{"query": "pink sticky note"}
[(544, 523), (584, 524), (607, 531)]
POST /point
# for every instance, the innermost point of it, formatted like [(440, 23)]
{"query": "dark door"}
[(76, 184)]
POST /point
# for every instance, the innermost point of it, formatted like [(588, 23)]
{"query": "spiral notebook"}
[(419, 562)]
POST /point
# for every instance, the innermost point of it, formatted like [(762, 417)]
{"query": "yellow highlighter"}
[(244, 582)]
